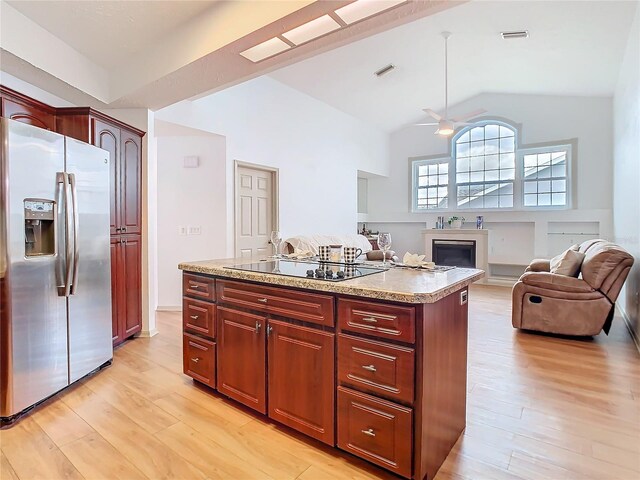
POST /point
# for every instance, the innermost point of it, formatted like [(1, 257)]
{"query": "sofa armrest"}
[(552, 281), (539, 265)]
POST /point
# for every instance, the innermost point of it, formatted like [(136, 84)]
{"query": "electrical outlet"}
[(182, 230), (193, 230)]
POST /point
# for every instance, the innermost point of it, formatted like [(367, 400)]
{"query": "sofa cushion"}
[(567, 263), (601, 260)]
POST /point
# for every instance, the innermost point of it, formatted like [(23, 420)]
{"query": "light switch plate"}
[(182, 230), (193, 230)]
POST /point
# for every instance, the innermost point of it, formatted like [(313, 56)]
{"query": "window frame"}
[(550, 148), (416, 163), (518, 182)]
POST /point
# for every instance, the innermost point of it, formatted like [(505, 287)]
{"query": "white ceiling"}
[(108, 32), (129, 54), (574, 48)]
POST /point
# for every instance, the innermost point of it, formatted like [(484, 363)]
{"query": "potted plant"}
[(456, 222)]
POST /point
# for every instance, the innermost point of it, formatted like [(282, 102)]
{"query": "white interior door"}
[(255, 207)]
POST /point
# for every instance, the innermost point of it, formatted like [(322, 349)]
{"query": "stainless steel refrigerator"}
[(55, 274)]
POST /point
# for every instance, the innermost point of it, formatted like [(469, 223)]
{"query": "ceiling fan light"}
[(445, 128)]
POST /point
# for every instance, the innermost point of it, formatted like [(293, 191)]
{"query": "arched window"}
[(487, 169), (485, 161)]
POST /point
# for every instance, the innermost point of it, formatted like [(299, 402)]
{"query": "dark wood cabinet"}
[(376, 430), (107, 137), (199, 359), (301, 378), (381, 380), (126, 252), (242, 357), (23, 109), (124, 144), (130, 182)]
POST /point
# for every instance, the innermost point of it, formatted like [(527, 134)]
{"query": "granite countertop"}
[(396, 284)]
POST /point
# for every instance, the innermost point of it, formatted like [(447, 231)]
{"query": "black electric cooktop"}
[(332, 272)]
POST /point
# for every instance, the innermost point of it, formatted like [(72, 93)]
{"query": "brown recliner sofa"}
[(553, 303)]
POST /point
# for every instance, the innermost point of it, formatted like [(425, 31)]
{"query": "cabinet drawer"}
[(376, 367), (376, 430), (308, 307), (378, 319), (198, 286), (199, 317), (199, 359)]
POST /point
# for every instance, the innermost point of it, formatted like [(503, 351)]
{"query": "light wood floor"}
[(538, 408)]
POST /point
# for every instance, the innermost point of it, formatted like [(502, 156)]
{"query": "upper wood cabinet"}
[(23, 109), (124, 143)]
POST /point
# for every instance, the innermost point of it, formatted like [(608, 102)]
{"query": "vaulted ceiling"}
[(574, 48), (121, 54)]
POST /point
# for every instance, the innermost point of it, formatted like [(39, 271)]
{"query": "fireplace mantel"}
[(481, 237)]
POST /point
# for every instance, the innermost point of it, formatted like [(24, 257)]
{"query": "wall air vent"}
[(384, 70), (518, 34)]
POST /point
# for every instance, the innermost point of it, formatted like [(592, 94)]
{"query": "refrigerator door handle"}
[(64, 290), (76, 248)]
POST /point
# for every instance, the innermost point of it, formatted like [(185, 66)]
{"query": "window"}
[(545, 176), (487, 170), (485, 167), (432, 184)]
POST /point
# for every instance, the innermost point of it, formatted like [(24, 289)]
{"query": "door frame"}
[(275, 183)]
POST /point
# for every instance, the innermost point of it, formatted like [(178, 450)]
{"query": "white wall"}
[(542, 119), (317, 149), (189, 197), (626, 172), (33, 91)]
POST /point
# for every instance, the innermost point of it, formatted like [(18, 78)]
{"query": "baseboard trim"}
[(627, 323), (169, 308), (148, 333)]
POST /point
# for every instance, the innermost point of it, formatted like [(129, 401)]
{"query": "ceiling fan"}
[(447, 125)]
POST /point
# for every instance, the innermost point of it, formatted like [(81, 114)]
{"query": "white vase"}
[(456, 223)]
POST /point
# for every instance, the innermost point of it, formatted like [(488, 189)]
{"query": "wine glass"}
[(384, 242), (275, 240)]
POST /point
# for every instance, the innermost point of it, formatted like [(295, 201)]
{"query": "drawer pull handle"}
[(258, 325), (370, 319), (195, 360), (269, 330), (371, 368), (195, 287), (195, 317), (369, 432), (262, 300)]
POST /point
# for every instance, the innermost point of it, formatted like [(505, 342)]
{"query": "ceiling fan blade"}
[(422, 124), (431, 113), (462, 118)]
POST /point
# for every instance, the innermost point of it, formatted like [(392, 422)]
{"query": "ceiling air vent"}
[(384, 70), (519, 34)]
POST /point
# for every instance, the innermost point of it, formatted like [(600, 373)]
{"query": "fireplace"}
[(458, 253)]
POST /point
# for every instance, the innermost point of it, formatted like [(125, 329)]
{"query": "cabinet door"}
[(28, 114), (132, 279), (301, 379), (130, 181), (107, 137), (117, 290), (242, 357)]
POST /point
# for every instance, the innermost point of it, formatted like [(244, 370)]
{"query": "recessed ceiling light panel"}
[(310, 30), (361, 9), (267, 49)]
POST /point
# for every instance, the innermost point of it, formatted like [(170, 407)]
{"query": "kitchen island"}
[(375, 365)]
